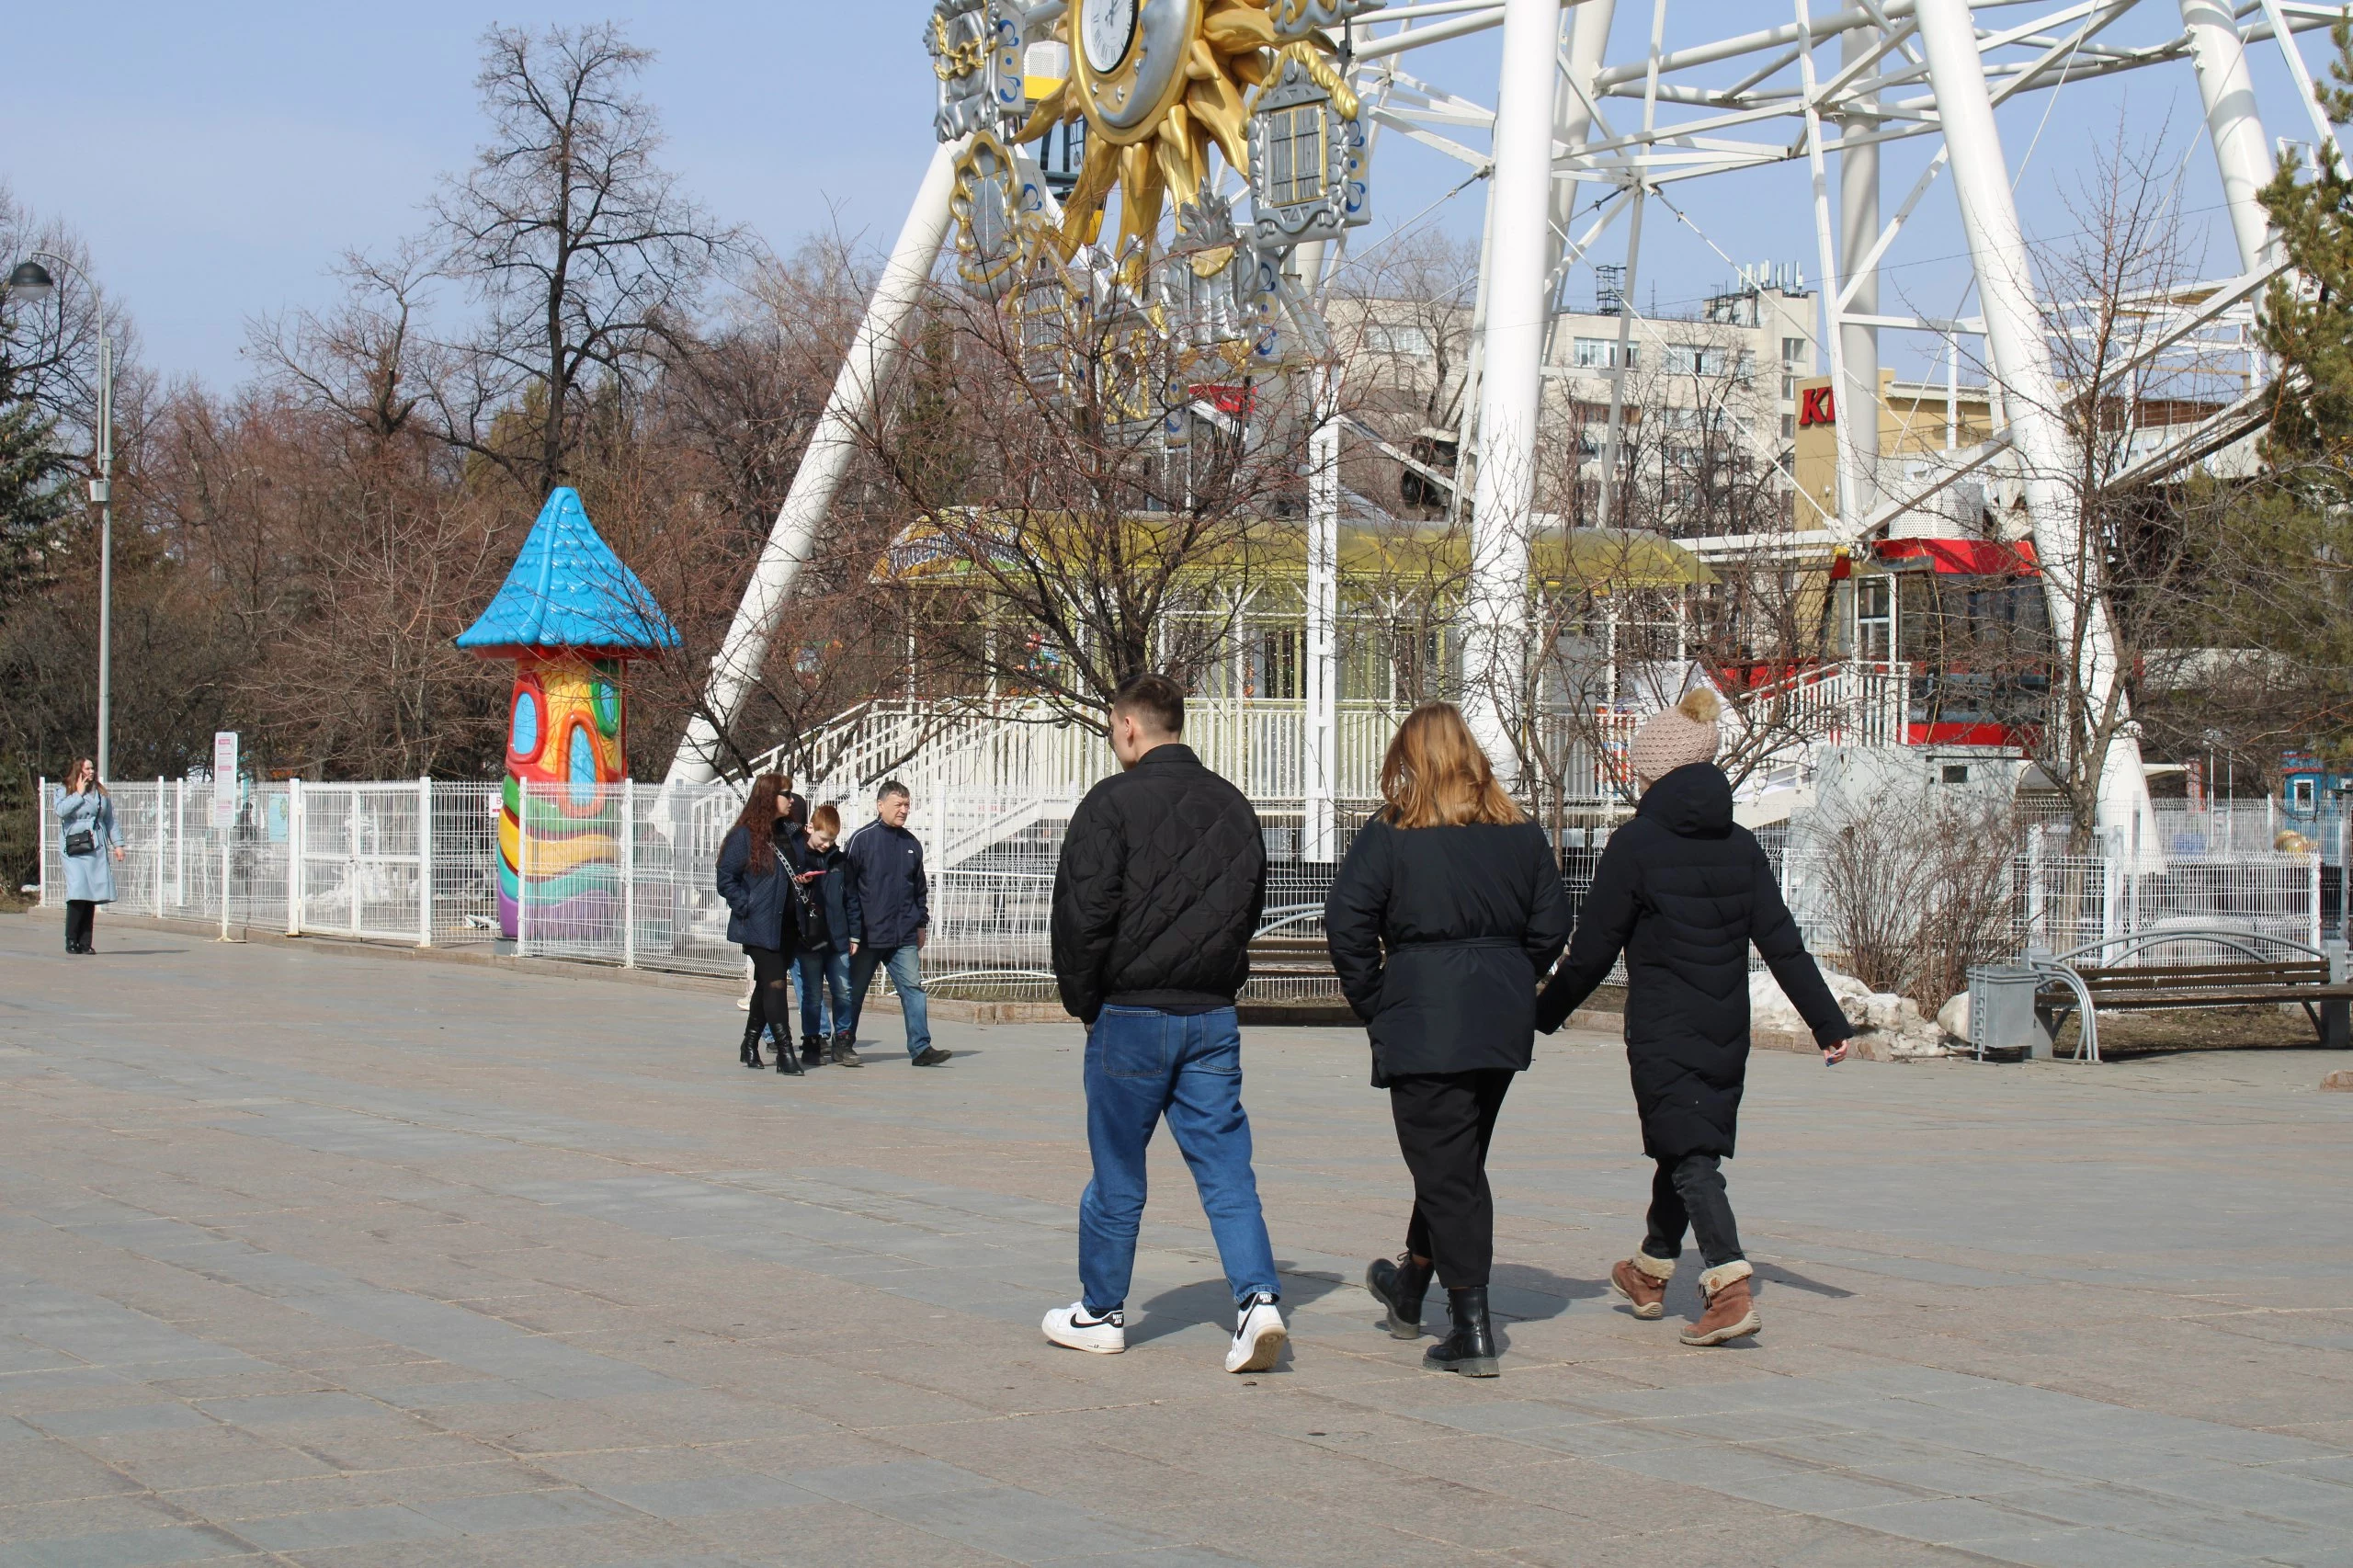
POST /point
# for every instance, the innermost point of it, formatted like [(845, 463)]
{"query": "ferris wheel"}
[(1237, 141)]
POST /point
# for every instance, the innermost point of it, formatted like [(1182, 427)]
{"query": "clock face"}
[(1106, 28)]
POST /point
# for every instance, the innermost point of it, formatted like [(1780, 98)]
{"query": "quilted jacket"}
[(1682, 890), (1161, 879)]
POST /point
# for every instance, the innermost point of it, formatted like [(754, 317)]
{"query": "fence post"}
[(522, 868), (158, 850), (227, 839), (2311, 869), (295, 899), (424, 861), (629, 873), (40, 839)]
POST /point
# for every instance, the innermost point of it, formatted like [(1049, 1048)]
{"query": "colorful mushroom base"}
[(569, 614), (565, 752)]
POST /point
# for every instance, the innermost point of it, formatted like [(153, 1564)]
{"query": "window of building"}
[(1792, 365), (1694, 359), (1744, 369), (1601, 353), (1875, 618), (2300, 794), (1408, 339), (1789, 427)]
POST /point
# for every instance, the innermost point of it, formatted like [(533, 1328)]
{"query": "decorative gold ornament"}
[(1158, 81), (997, 214)]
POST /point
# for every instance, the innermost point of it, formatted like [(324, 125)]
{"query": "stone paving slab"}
[(309, 1257)]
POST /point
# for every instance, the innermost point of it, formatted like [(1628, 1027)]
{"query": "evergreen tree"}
[(2308, 313), (33, 491)]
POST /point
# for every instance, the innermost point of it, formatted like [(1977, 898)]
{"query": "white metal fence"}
[(414, 862), (624, 874)]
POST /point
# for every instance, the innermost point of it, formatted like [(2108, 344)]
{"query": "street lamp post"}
[(32, 281)]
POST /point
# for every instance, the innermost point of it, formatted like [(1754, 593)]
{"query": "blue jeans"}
[(907, 978), (1143, 1065), (822, 977)]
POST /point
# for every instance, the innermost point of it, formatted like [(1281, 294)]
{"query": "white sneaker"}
[(1105, 1335), (1258, 1335)]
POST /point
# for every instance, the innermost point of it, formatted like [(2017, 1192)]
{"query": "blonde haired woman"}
[(86, 831), (1443, 918)]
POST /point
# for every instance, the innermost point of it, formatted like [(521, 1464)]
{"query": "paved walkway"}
[(316, 1259)]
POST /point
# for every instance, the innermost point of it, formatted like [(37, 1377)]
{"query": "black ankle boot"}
[(748, 1053), (1400, 1286), (788, 1061), (845, 1051), (1471, 1348)]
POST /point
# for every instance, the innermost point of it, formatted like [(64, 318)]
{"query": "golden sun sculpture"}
[(1157, 82)]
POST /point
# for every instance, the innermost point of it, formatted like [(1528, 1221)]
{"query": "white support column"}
[(1851, 511), (2021, 356), (827, 457), (425, 862), (2242, 153), (1511, 387), (158, 850), (1320, 843), (1573, 121), (1859, 410), (41, 839), (629, 873), (2323, 133), (180, 844), (1621, 362)]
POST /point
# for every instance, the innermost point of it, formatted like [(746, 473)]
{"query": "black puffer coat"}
[(1161, 879), (1683, 890), (1439, 936)]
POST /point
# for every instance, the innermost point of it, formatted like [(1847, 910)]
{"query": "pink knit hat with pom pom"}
[(1677, 737)]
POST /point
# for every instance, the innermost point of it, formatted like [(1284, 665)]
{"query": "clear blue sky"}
[(218, 158)]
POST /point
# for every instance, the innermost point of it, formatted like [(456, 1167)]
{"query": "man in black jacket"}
[(893, 896), (1162, 880)]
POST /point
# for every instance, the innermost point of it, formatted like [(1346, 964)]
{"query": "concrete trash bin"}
[(2002, 1015)]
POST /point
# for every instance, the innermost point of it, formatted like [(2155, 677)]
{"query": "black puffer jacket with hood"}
[(1682, 890)]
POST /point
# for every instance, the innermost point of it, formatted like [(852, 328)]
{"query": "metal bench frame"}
[(2064, 969)]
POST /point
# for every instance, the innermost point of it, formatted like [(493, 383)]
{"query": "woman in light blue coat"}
[(85, 832)]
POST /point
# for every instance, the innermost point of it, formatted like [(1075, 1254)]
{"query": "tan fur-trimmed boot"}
[(1732, 1309), (1642, 1279)]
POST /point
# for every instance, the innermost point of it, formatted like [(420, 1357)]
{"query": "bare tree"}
[(1076, 503), (1915, 883), (584, 258)]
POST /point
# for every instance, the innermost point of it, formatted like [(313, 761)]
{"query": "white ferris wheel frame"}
[(1566, 116)]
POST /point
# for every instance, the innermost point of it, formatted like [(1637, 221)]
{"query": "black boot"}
[(788, 1061), (748, 1053), (1400, 1286), (1471, 1348), (844, 1053), (812, 1051)]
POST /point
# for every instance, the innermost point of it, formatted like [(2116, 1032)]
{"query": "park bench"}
[(1289, 945), (2191, 967)]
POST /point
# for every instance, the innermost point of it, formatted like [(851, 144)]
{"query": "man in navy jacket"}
[(887, 863)]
